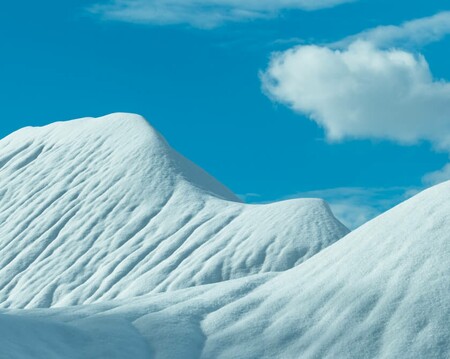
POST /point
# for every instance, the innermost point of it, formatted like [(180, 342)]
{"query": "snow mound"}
[(380, 292), (101, 209)]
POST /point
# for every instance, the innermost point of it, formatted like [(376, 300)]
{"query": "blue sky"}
[(195, 71)]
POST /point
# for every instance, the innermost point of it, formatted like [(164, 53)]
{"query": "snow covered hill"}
[(380, 292), (100, 209), (120, 248)]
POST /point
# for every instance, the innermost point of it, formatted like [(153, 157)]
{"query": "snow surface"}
[(99, 209), (382, 291)]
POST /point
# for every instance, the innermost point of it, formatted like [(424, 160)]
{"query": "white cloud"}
[(436, 177), (354, 206), (371, 85), (201, 13), (363, 92), (411, 33)]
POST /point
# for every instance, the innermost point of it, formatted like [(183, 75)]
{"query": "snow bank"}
[(168, 264), (101, 209), (380, 292)]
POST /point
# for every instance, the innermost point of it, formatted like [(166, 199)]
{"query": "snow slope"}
[(100, 209), (380, 292)]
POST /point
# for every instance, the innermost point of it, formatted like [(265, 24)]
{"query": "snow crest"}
[(380, 292), (100, 209), (131, 251)]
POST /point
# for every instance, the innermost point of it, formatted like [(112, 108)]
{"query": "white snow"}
[(380, 292), (98, 209)]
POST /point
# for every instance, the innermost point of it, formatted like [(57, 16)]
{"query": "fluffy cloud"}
[(370, 85), (366, 86), (363, 92), (201, 13)]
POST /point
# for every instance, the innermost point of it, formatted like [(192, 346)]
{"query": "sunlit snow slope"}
[(100, 209), (383, 291)]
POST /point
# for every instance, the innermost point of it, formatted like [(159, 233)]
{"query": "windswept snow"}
[(28, 338), (381, 292), (98, 209), (168, 264)]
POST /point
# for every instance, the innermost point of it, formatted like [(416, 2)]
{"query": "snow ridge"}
[(100, 209), (147, 258), (380, 292)]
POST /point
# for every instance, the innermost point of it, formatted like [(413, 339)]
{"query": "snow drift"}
[(382, 291), (98, 209)]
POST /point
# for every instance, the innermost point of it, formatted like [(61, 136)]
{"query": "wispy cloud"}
[(354, 206), (436, 177), (413, 33), (201, 13)]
